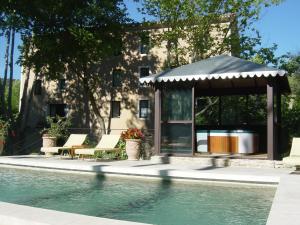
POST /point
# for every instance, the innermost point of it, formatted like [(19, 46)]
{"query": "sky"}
[(278, 24)]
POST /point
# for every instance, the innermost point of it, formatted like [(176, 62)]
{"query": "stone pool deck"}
[(285, 204), (13, 214)]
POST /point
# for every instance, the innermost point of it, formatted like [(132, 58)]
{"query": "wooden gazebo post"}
[(273, 119), (157, 119)]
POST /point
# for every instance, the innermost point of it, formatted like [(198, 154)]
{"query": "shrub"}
[(58, 127)]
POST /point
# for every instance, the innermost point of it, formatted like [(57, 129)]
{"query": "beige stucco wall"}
[(129, 93)]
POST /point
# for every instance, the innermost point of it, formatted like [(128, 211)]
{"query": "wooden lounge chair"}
[(294, 158), (74, 140), (107, 143)]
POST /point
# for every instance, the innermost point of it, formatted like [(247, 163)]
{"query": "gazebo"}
[(176, 91)]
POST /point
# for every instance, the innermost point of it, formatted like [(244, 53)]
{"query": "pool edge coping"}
[(271, 215), (173, 175), (15, 214)]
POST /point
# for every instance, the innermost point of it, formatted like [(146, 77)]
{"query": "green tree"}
[(70, 38), (291, 103), (197, 21), (15, 96)]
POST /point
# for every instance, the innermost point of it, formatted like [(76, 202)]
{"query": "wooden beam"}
[(193, 121), (271, 128), (278, 122), (157, 119), (230, 91)]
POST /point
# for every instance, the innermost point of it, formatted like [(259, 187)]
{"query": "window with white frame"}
[(144, 108), (144, 71)]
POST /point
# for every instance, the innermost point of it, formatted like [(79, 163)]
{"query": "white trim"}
[(171, 78)]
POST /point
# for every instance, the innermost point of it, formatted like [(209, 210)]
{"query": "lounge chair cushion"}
[(91, 151), (73, 140), (107, 143), (53, 149), (294, 158)]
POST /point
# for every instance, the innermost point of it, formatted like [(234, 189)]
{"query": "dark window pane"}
[(117, 78), (62, 84), (144, 71), (144, 44), (144, 108), (115, 109), (38, 87), (58, 110), (176, 138), (177, 104)]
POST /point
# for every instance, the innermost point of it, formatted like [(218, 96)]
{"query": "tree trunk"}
[(2, 91), (24, 97), (94, 105), (23, 105), (11, 70)]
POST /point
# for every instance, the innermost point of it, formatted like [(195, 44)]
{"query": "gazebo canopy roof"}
[(218, 67)]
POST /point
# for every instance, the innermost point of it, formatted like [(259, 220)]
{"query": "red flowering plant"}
[(132, 133)]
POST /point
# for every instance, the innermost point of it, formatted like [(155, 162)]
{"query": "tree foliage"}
[(291, 103), (69, 38), (208, 27)]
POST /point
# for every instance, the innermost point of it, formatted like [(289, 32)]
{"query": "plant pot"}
[(49, 141), (133, 149)]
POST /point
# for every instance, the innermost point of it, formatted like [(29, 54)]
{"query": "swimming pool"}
[(139, 200)]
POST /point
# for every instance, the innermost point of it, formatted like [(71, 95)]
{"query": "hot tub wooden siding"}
[(229, 142), (219, 144)]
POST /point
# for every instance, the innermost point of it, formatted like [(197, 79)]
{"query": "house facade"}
[(122, 100)]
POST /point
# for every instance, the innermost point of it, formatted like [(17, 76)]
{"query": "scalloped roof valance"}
[(218, 67)]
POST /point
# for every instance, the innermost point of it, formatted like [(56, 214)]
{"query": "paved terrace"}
[(285, 205)]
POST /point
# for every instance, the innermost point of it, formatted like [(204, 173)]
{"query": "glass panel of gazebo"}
[(176, 124)]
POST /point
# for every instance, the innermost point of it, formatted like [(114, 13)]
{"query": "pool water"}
[(139, 200)]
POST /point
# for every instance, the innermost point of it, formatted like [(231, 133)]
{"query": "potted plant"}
[(57, 130), (132, 137)]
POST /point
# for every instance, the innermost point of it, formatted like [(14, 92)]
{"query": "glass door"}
[(176, 121)]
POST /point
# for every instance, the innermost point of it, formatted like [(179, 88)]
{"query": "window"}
[(144, 109), (117, 78), (38, 87), (61, 84), (144, 43), (58, 110), (115, 109), (144, 71)]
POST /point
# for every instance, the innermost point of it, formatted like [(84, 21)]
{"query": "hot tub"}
[(227, 141)]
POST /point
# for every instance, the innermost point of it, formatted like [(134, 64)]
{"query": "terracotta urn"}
[(133, 149), (49, 141)]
